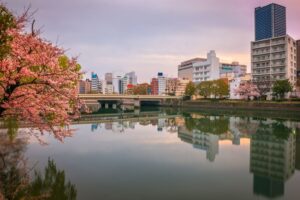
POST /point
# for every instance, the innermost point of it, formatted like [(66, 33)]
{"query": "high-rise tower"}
[(270, 21)]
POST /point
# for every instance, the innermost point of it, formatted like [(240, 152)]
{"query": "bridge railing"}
[(116, 96)]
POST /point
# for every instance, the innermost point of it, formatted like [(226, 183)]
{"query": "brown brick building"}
[(154, 86)]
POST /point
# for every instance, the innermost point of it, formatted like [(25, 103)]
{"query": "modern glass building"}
[(270, 21)]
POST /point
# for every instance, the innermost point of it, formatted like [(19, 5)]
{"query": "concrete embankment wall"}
[(244, 105)]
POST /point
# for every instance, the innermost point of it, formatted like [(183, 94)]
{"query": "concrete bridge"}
[(96, 101)]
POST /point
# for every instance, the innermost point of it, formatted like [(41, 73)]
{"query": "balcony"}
[(278, 65), (261, 59), (279, 42), (278, 72), (278, 50), (261, 53), (261, 67), (278, 57), (260, 45)]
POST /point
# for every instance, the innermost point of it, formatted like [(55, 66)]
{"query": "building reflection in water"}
[(205, 132), (297, 165), (163, 123), (274, 145), (272, 158)]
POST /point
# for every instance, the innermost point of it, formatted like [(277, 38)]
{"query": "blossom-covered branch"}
[(38, 82)]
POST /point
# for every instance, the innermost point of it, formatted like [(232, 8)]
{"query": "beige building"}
[(180, 87), (171, 86), (186, 69), (84, 86), (273, 59)]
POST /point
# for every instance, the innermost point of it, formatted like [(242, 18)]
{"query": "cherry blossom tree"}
[(38, 82), (246, 90)]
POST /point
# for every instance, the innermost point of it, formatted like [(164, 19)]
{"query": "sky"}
[(150, 36)]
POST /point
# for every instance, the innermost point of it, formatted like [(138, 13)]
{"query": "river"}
[(171, 154)]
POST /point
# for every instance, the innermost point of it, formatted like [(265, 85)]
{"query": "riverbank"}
[(243, 105)]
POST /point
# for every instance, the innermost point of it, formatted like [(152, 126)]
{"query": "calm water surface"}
[(178, 156)]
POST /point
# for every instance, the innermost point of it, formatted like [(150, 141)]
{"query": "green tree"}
[(222, 88), (190, 89), (281, 87), (213, 124), (52, 185), (204, 88), (219, 88)]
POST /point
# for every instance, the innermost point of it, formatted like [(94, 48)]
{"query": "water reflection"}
[(205, 132), (272, 157), (16, 181), (138, 154), (297, 165), (274, 144)]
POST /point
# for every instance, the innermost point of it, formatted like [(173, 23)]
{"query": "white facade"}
[(273, 59), (208, 69), (208, 142), (117, 81), (129, 78), (162, 84), (233, 69), (132, 78), (96, 85), (107, 88)]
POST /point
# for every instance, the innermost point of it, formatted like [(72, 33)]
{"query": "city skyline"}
[(121, 36)]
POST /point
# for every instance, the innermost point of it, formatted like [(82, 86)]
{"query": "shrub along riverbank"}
[(244, 105)]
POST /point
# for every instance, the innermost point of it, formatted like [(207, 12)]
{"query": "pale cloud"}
[(150, 36)]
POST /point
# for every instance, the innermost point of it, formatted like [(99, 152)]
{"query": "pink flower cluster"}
[(38, 83)]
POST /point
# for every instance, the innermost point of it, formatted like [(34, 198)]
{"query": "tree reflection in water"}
[(15, 180), (272, 146)]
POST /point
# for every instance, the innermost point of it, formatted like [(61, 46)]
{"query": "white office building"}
[(162, 83), (117, 84), (208, 69), (96, 85), (129, 79)]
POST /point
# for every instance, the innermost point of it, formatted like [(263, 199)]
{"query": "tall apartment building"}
[(96, 86), (273, 53), (107, 86), (108, 78), (270, 21), (162, 83), (185, 69), (273, 59)]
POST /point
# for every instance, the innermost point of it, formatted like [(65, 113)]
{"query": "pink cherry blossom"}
[(247, 90), (38, 83)]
